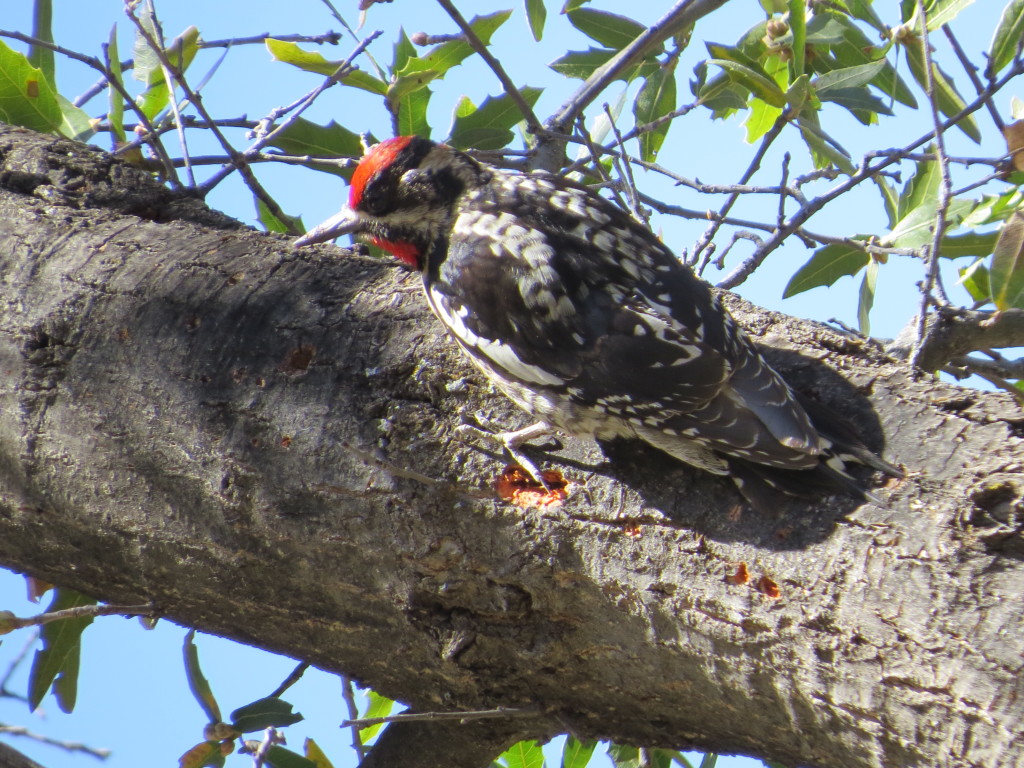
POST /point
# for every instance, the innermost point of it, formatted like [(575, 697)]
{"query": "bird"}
[(587, 321)]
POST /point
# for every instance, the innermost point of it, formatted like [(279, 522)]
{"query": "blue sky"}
[(133, 696)]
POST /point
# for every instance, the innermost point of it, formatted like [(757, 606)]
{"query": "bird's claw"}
[(510, 443)]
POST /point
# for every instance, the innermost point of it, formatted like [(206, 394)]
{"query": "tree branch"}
[(203, 383)]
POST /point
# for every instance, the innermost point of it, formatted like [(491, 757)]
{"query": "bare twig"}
[(70, 746), (972, 74), (292, 679), (238, 160), (348, 693), (532, 123), (682, 13), (931, 289), (10, 623), (626, 171), (94, 63), (755, 163), (296, 109), (411, 717), (866, 171)]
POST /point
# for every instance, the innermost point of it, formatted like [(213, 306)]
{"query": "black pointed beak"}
[(345, 222)]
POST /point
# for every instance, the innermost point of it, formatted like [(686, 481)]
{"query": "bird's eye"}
[(374, 201)]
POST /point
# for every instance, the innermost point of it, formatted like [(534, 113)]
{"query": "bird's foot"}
[(510, 442)]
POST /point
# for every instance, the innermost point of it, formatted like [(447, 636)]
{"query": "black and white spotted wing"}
[(592, 308)]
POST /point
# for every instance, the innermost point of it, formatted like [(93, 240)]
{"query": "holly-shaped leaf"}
[(827, 265), (27, 98)]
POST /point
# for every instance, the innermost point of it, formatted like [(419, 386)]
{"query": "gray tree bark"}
[(186, 407)]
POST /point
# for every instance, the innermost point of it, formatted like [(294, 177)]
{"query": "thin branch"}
[(972, 74), (94, 63), (292, 679), (626, 171), (70, 746), (867, 170), (682, 13), (11, 623), (461, 717), (348, 693), (532, 123), (328, 38), (956, 332), (238, 160), (932, 287), (752, 168), (296, 109)]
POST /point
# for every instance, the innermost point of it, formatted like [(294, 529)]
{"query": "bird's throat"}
[(407, 253)]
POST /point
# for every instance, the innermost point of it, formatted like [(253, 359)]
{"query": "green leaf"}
[(975, 279), (760, 120), (710, 760), (798, 28), (146, 60), (404, 50), (656, 99), (115, 115), (922, 188), (848, 77), (489, 126), (824, 29), (279, 757), (969, 244), (524, 754), (863, 10), (856, 49), (824, 149), (379, 706), (917, 228), (313, 61), (75, 123), (756, 82), (272, 223), (1006, 272), (827, 265), (57, 663), (197, 683), (942, 12), (443, 57), (857, 100), (625, 756), (179, 53), (536, 14), (303, 137), (889, 199), (1006, 39), (947, 98), (866, 298), (270, 712), (582, 64), (26, 97), (412, 114), (576, 753), (609, 29), (40, 56), (994, 208)]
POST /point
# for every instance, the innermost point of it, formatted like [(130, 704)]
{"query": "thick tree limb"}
[(951, 333), (176, 402)]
